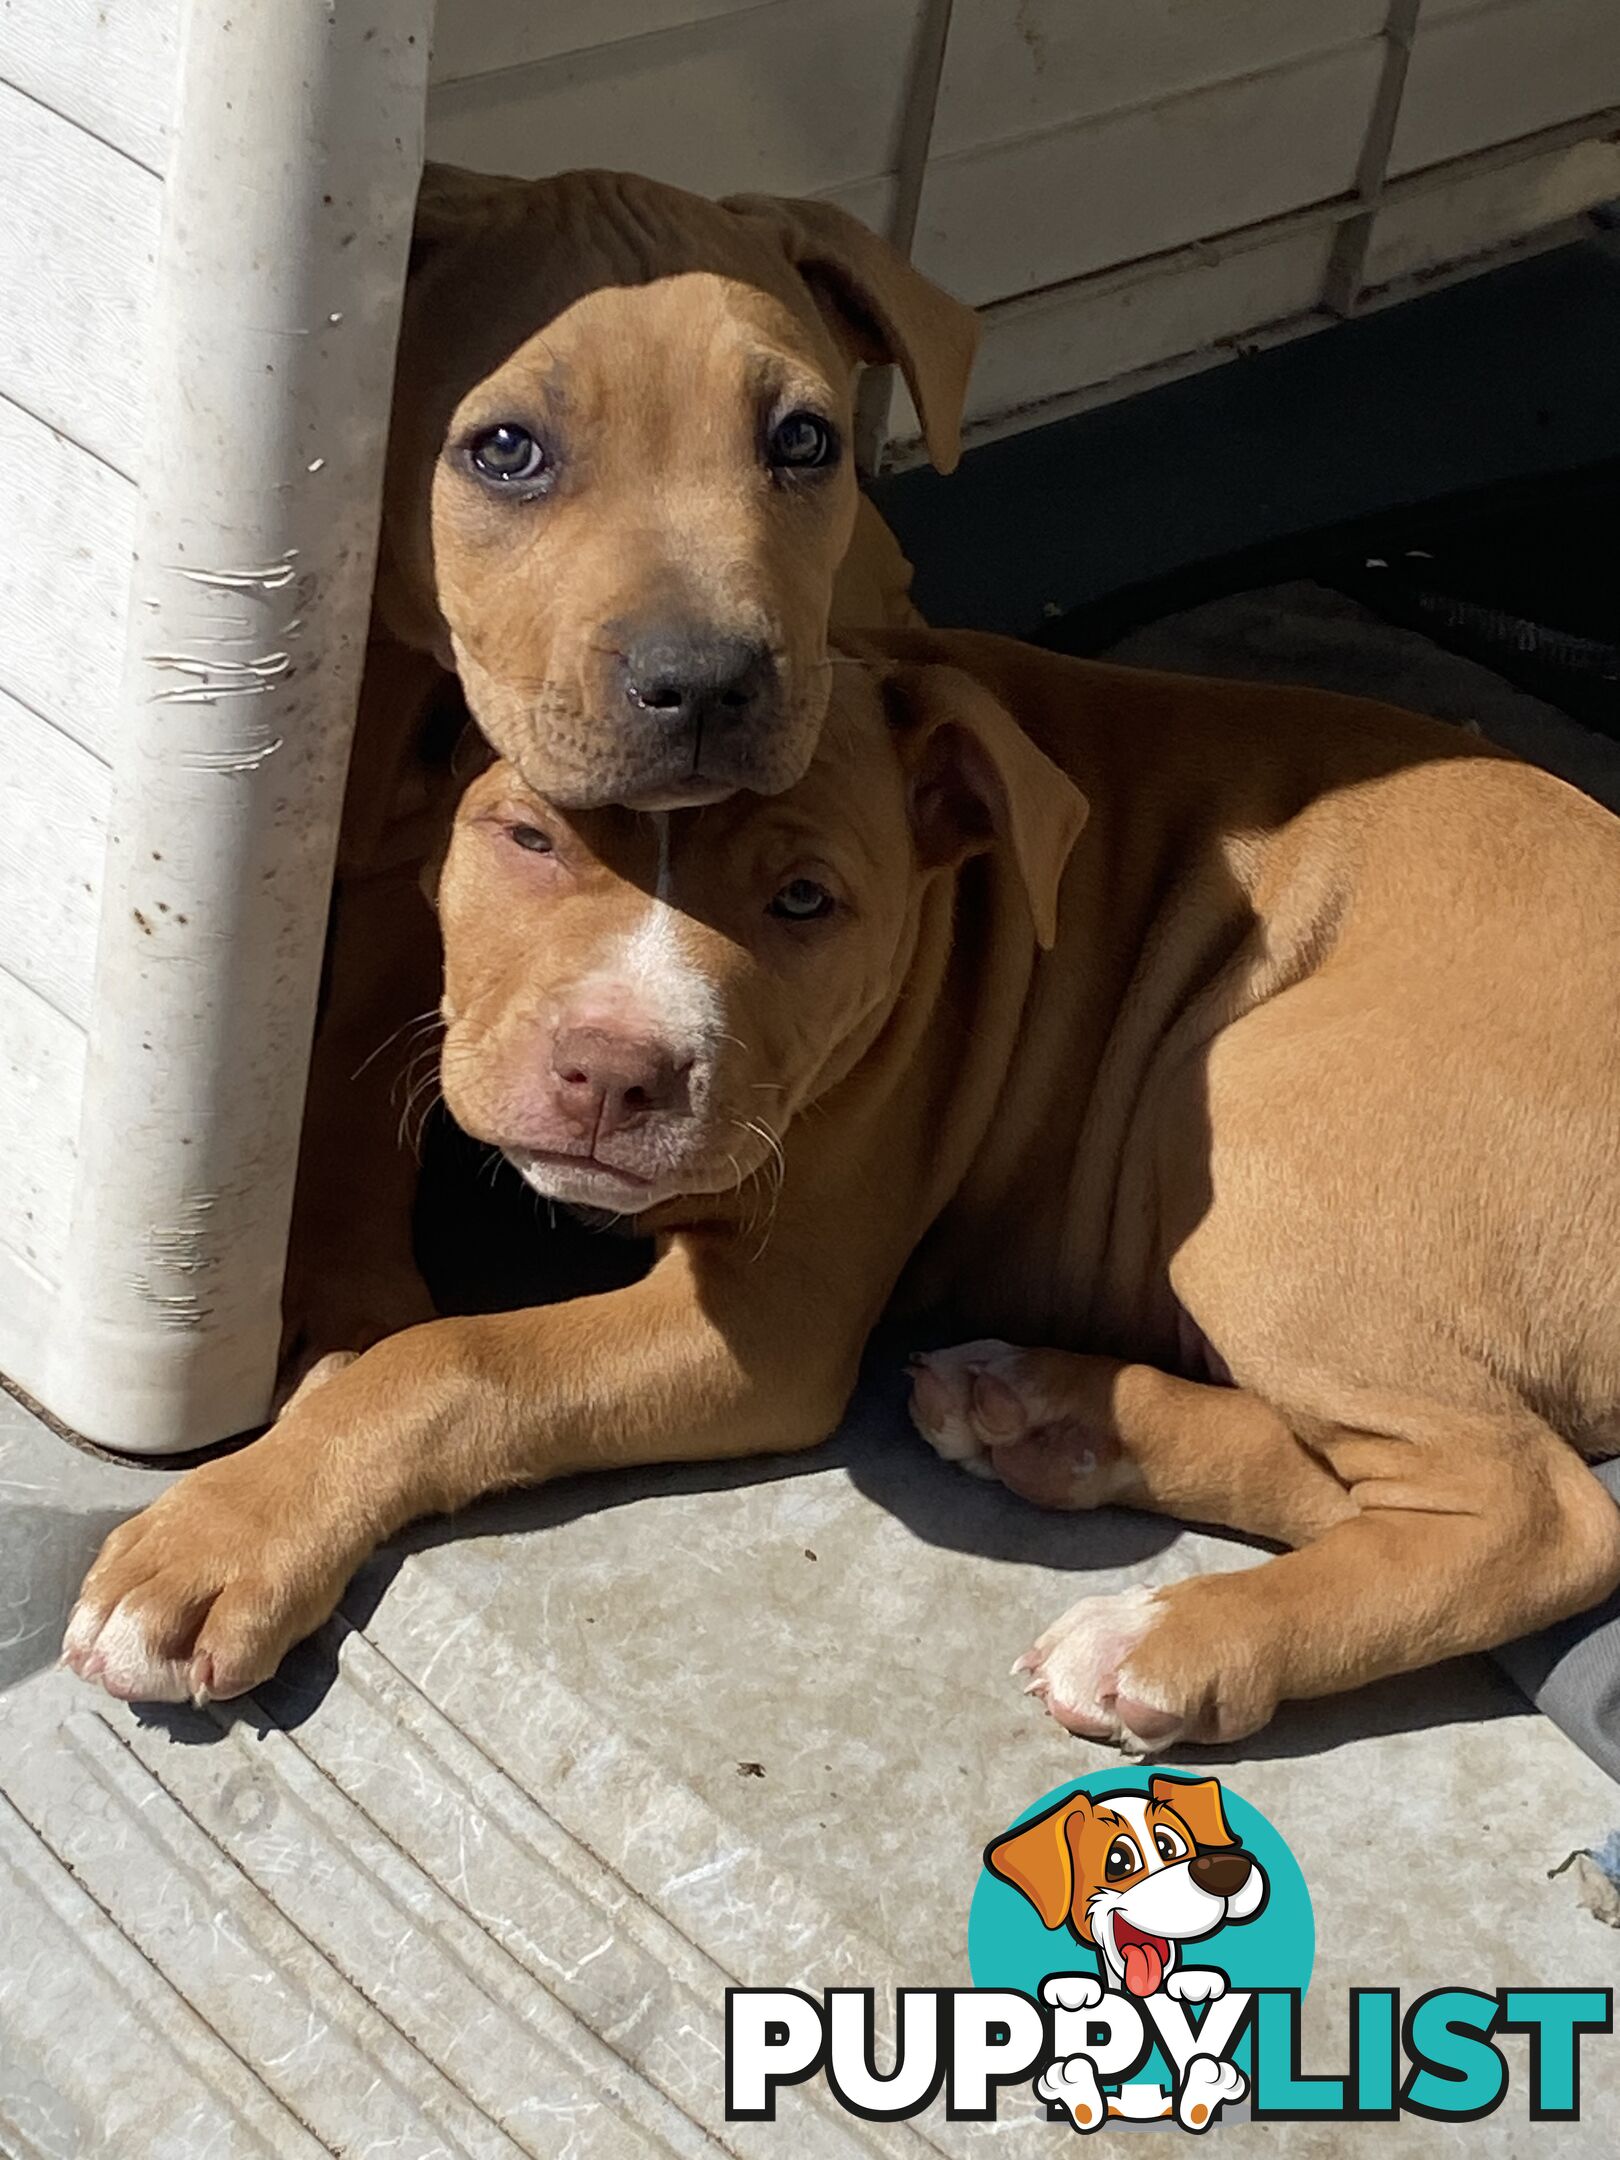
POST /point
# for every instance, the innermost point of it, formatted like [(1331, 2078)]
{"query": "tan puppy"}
[(621, 505), (1300, 1070), (620, 486)]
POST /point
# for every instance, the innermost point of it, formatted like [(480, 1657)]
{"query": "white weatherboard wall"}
[(1127, 187), (207, 213), (85, 95), (193, 371)]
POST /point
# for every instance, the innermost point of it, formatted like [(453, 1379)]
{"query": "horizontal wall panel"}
[(1039, 212), (41, 1086), (1494, 74), (1450, 222), (1036, 351), (795, 100), (1018, 67), (52, 840), (481, 37), (67, 531), (78, 249), (109, 65), (872, 201)]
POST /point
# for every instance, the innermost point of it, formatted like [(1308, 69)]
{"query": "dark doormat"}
[(1522, 577)]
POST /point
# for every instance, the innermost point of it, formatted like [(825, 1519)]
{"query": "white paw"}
[(942, 1401), (1075, 1667), (1072, 2085), (1072, 1991), (1207, 2087), (114, 1652), (1196, 1983)]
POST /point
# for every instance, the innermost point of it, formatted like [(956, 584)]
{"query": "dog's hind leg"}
[(1069, 1431), (1469, 1528)]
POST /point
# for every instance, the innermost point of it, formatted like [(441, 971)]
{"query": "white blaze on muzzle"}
[(649, 979)]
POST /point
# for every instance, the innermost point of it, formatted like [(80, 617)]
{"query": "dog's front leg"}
[(203, 1594), (1469, 1528)]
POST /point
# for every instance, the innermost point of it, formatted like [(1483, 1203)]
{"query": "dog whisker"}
[(767, 1177), (411, 1029), (419, 1066)]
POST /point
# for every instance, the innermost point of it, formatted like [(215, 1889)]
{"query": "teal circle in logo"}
[(1010, 1946)]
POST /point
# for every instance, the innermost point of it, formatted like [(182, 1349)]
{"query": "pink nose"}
[(606, 1082)]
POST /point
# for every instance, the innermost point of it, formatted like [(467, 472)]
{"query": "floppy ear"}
[(1036, 1859), (887, 310), (453, 204), (977, 780), (1198, 1802)]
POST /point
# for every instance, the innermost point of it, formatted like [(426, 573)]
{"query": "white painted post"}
[(297, 149), (881, 389)]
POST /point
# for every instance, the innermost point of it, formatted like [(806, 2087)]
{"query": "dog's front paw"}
[(1145, 1668), (1207, 2087), (1072, 2085), (1196, 1983), (201, 1596), (1009, 1413), (1075, 1669), (1072, 1991)]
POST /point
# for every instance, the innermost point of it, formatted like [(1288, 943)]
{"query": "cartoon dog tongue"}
[(1144, 1963)]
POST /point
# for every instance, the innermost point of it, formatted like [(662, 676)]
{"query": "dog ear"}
[(452, 205), (885, 309), (1198, 1802), (976, 780), (1037, 1860)]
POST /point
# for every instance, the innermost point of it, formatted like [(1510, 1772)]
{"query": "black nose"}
[(690, 679), (1222, 1874)]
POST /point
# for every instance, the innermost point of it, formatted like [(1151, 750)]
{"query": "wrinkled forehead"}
[(697, 343)]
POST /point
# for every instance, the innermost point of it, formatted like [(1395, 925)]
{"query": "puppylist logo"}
[(1139, 1946)]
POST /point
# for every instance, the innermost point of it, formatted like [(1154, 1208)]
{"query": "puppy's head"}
[(638, 1005), (1134, 1874), (620, 479)]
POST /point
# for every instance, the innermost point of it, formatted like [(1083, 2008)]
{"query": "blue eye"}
[(508, 455), (802, 901)]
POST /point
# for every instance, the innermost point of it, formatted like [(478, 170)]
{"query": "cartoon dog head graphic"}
[(1134, 1875)]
